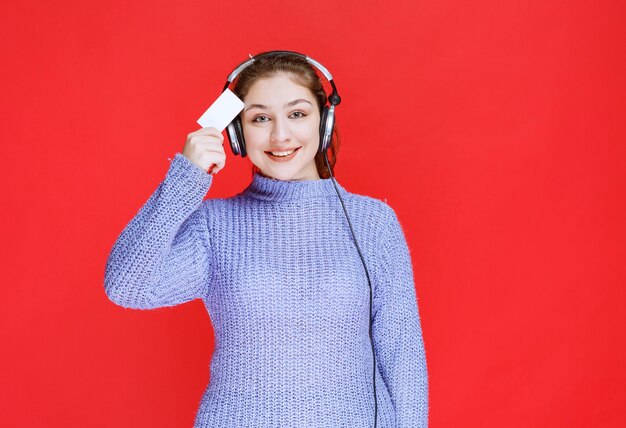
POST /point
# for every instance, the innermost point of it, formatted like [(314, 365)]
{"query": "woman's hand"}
[(204, 148)]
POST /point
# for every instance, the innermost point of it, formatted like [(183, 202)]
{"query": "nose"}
[(280, 131)]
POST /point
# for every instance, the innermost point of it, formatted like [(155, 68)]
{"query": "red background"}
[(494, 129)]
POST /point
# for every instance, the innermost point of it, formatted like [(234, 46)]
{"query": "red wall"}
[(494, 129)]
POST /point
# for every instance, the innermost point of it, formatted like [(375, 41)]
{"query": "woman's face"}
[(279, 117)]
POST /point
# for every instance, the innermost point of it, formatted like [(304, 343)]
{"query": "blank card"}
[(225, 108)]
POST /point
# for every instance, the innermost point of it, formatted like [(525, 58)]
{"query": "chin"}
[(285, 174), (286, 171), (280, 175)]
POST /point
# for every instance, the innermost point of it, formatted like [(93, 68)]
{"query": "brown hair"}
[(302, 73)]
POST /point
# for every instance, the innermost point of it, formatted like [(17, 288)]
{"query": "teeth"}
[(282, 153)]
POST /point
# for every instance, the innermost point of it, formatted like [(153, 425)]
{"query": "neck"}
[(271, 189)]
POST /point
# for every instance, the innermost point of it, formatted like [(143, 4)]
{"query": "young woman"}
[(309, 287)]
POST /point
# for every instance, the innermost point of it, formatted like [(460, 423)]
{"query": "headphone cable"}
[(368, 281)]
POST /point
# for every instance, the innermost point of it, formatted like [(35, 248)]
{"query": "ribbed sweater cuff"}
[(187, 180)]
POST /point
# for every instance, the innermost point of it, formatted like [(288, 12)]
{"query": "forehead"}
[(277, 89)]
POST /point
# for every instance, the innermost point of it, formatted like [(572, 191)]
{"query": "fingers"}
[(209, 131), (205, 148), (215, 161)]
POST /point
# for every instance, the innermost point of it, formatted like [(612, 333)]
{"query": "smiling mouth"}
[(283, 153)]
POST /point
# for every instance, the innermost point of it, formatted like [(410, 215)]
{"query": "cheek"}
[(310, 131), (254, 135)]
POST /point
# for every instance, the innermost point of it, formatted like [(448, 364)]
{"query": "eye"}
[(297, 114), (261, 118)]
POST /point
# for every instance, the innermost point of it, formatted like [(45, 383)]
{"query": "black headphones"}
[(327, 116)]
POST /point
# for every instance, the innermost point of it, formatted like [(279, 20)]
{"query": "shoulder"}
[(375, 209), (216, 205), (216, 209)]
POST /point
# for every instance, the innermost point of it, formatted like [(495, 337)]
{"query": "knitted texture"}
[(288, 297)]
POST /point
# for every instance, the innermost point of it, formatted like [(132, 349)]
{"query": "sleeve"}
[(163, 256), (396, 328)]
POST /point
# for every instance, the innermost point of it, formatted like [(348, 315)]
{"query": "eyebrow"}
[(289, 104)]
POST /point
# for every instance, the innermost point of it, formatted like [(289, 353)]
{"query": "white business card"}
[(225, 108)]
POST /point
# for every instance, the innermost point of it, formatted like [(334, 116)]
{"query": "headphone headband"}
[(333, 98)]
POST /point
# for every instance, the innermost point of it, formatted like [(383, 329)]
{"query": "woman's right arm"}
[(163, 256)]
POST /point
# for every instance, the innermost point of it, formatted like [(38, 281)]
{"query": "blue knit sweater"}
[(288, 298)]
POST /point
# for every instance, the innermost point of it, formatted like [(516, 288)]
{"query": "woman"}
[(287, 289)]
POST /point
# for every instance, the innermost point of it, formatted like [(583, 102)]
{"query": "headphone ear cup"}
[(232, 138), (242, 141), (327, 122), (235, 137)]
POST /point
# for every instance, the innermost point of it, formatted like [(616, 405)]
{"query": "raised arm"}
[(396, 329), (163, 256)]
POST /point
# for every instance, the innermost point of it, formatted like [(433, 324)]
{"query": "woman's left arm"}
[(396, 329)]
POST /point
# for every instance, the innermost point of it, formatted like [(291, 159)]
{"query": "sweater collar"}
[(271, 189)]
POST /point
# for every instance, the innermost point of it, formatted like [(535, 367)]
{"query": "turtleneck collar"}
[(271, 189)]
